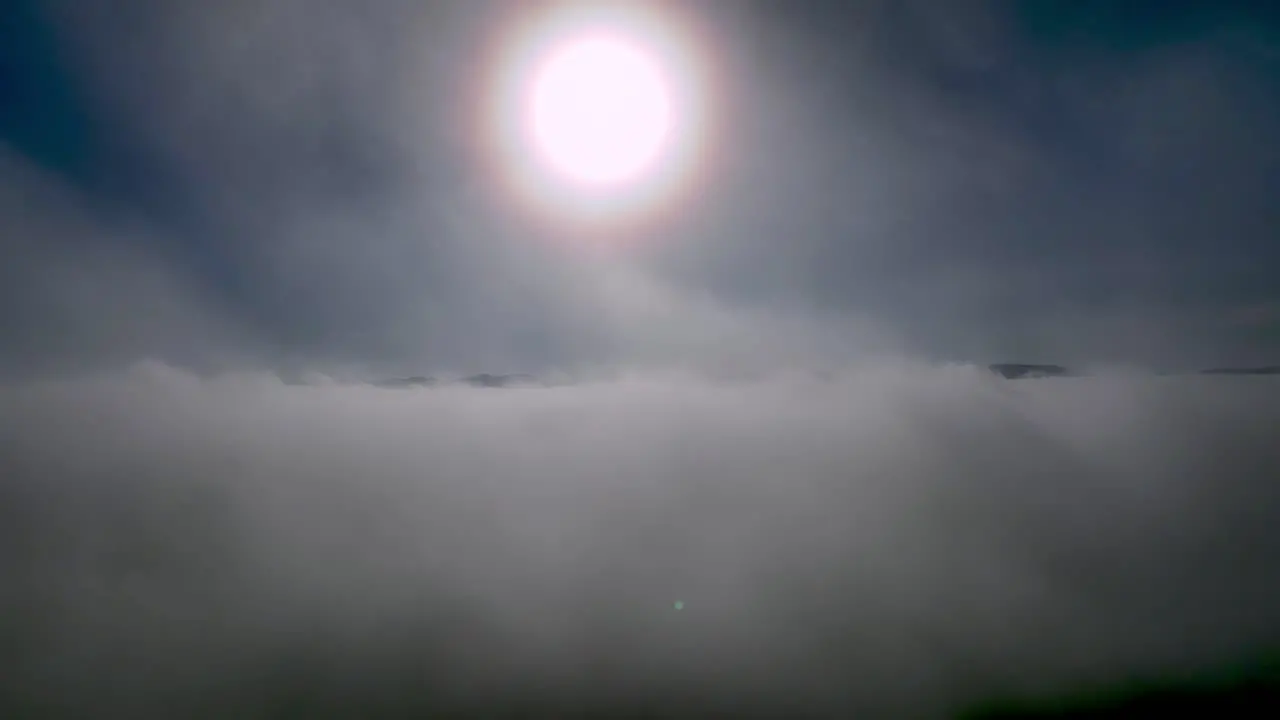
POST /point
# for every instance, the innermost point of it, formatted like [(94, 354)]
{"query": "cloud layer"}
[(897, 538)]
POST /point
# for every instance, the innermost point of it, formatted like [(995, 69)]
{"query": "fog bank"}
[(895, 539)]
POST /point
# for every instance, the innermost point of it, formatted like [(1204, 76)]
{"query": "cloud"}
[(898, 538)]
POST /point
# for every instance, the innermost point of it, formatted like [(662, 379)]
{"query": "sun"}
[(600, 110), (597, 116)]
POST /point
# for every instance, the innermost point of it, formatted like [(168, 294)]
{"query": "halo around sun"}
[(596, 112)]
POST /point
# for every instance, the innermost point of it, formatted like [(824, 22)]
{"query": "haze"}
[(228, 228)]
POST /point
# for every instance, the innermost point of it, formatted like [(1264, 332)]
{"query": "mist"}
[(770, 472), (898, 538)]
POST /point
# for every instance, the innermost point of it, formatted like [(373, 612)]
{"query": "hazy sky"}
[(293, 183)]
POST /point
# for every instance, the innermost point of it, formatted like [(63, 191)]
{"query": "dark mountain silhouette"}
[(488, 380), (1018, 371), (1269, 370), (482, 380), (409, 382), (1009, 371)]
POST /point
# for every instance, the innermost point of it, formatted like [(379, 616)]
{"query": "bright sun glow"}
[(597, 114), (600, 112)]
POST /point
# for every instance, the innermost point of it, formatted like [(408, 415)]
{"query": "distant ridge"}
[(1018, 371), (1268, 370), (409, 382), (1009, 371), (488, 380), (482, 380)]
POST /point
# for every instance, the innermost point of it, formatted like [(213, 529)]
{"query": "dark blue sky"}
[(290, 184)]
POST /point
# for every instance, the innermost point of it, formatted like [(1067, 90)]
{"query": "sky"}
[(272, 184), (221, 221)]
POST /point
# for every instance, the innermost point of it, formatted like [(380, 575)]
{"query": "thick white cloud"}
[(900, 537)]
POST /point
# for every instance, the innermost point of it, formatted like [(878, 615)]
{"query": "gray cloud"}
[(900, 538)]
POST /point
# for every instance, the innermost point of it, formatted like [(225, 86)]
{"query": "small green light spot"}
[(679, 604)]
